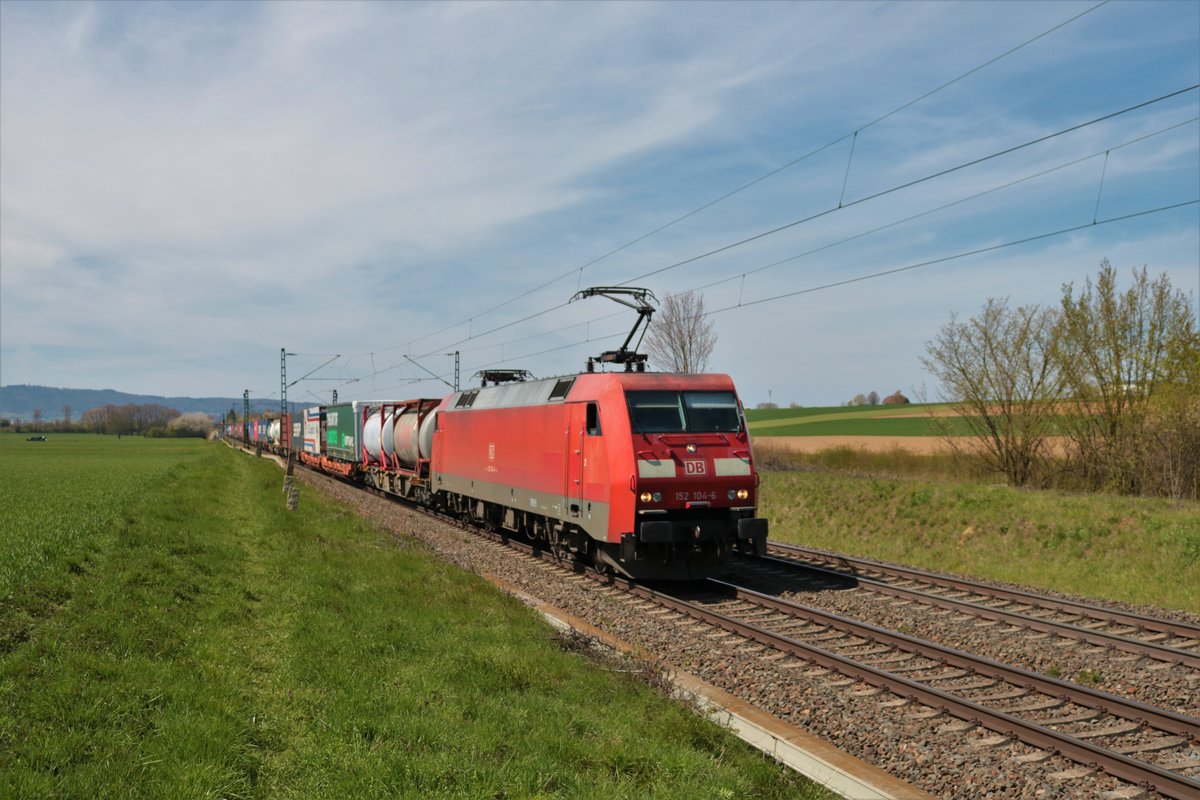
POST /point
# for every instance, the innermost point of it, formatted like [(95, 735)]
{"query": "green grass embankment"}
[(57, 494), (1141, 550), (871, 426), (765, 417), (908, 420), (204, 642)]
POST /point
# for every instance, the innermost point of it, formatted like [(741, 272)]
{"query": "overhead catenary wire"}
[(1100, 191), (795, 223), (763, 177), (909, 184), (896, 270), (336, 356), (944, 206), (859, 201), (894, 223), (964, 254)]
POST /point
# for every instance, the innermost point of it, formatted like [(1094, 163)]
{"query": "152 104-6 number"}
[(695, 495)]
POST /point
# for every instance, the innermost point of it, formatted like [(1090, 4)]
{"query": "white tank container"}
[(376, 431), (408, 448), (428, 426)]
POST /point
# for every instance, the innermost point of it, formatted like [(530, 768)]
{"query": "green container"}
[(343, 431)]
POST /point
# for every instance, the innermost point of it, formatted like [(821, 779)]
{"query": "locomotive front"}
[(695, 488)]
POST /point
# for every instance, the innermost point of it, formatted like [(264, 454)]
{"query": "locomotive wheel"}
[(598, 563)]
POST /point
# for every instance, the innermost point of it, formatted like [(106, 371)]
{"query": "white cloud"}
[(212, 179)]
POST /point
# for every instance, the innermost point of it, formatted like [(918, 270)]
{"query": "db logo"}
[(694, 468)]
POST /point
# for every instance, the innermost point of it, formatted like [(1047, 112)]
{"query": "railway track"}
[(1171, 635), (1143, 745), (978, 601), (1129, 740), (950, 692)]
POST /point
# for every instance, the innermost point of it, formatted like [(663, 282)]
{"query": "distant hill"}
[(19, 402)]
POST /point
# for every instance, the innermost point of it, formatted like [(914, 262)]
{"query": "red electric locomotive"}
[(650, 475), (646, 474)]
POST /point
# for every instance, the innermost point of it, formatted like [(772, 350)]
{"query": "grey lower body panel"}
[(685, 546), (590, 516)]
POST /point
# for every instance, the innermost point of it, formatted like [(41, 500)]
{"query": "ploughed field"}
[(167, 628)]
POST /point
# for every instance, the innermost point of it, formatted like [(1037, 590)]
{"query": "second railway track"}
[(1134, 742), (1007, 700), (978, 600), (1173, 634)]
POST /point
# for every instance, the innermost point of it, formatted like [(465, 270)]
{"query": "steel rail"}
[(1165, 782), (1055, 687), (1173, 627), (1170, 784), (1100, 638)]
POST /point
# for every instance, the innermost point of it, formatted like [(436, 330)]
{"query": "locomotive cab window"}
[(715, 412), (593, 419), (684, 412)]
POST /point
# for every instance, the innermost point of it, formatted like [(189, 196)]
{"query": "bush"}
[(1132, 363), (193, 423)]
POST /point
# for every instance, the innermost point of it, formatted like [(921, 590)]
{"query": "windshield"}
[(684, 412)]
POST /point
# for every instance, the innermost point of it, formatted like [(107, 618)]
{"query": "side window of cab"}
[(593, 419)]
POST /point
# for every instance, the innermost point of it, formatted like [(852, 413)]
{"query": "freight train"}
[(648, 475)]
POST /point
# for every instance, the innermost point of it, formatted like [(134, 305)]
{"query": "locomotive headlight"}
[(646, 497), (742, 494)]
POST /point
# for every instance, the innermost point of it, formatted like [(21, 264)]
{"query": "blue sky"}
[(187, 188)]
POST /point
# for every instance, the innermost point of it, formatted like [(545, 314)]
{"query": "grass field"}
[(185, 636), (763, 417), (871, 426), (61, 492), (910, 420), (1141, 550)]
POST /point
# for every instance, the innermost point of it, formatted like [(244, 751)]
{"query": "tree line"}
[(150, 419), (1102, 390)]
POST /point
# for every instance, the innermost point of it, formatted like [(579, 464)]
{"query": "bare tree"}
[(998, 371), (1129, 360), (93, 419), (66, 412), (1173, 425), (873, 398), (681, 337), (119, 419)]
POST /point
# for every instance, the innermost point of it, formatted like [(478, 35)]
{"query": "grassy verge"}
[(768, 417), (1140, 550), (53, 500), (869, 426), (895, 462), (214, 645)]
